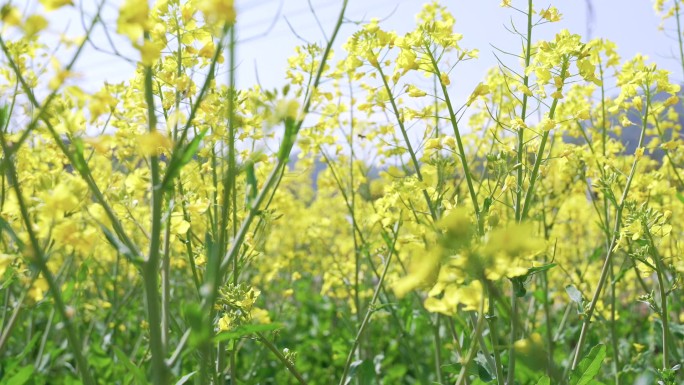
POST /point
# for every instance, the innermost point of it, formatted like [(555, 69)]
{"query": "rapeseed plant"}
[(394, 236)]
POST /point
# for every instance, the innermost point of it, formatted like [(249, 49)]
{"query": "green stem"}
[(613, 331), (188, 241), (540, 153), (166, 280), (283, 156), (85, 174), (404, 133), (523, 116), (547, 316), (402, 330), (479, 325), (459, 143), (609, 252), (287, 363), (438, 351), (18, 307), (39, 260), (664, 318), (513, 337), (679, 34), (229, 189), (660, 268), (668, 155), (494, 337), (369, 312), (151, 265), (483, 345), (351, 205), (200, 97), (43, 340), (42, 113)]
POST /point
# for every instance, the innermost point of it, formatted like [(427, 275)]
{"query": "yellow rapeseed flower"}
[(550, 14), (481, 90), (414, 91), (10, 15), (224, 324), (150, 52), (51, 5), (133, 19), (153, 143), (218, 11), (444, 78), (34, 24), (38, 289)]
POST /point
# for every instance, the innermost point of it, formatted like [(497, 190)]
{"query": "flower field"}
[(356, 226)]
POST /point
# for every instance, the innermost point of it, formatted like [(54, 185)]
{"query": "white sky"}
[(632, 24)]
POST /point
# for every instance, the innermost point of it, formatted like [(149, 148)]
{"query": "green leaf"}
[(200, 326), (213, 259), (589, 367), (539, 269), (621, 273), (486, 205), (545, 380), (28, 348), (680, 197), (80, 163), (137, 373), (288, 139), (484, 374), (519, 282), (21, 377), (119, 245), (251, 181), (4, 116), (5, 226), (178, 160), (83, 273), (68, 291), (519, 286), (471, 369), (451, 368), (596, 254), (192, 147), (361, 370), (185, 378), (244, 330)]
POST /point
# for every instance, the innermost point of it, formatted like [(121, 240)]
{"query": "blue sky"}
[(268, 41)]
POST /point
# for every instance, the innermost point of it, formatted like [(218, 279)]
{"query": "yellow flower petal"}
[(51, 5), (153, 143)]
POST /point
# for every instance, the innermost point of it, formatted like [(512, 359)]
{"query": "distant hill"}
[(630, 135)]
